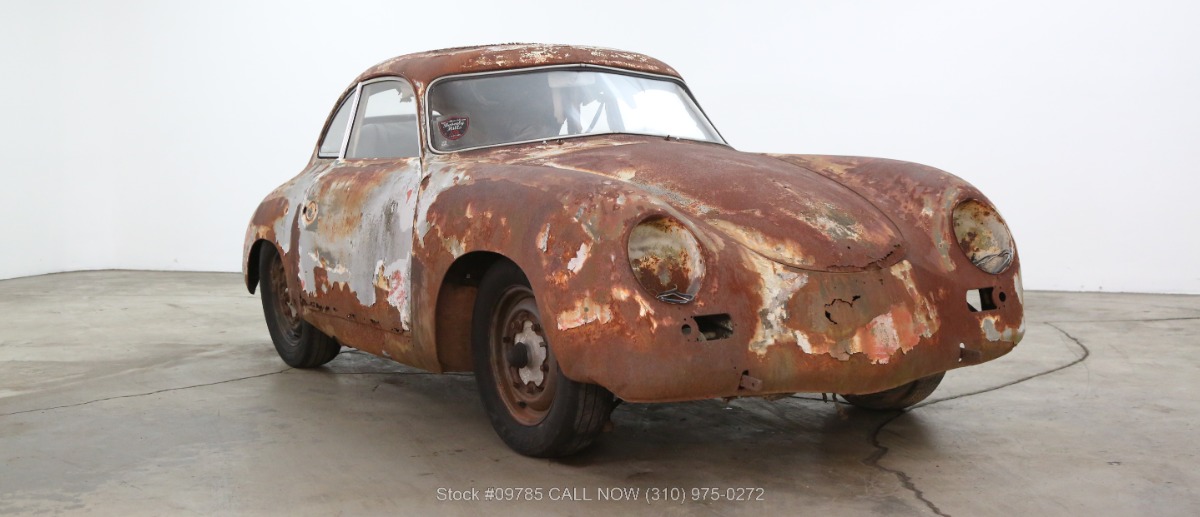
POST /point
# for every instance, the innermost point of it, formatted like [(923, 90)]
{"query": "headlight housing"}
[(666, 259), (983, 236)]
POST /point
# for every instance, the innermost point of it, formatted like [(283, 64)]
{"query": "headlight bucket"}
[(983, 236), (666, 259)]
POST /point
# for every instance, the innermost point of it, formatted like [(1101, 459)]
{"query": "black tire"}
[(900, 397), (552, 417), (299, 344)]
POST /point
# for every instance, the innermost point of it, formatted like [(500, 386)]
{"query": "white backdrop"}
[(141, 135)]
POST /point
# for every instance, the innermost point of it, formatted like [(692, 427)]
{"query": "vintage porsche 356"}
[(566, 223)]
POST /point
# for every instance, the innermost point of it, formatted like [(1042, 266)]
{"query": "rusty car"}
[(566, 223)]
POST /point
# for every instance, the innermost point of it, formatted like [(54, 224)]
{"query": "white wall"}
[(143, 134)]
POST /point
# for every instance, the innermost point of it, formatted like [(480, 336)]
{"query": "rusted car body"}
[(802, 273)]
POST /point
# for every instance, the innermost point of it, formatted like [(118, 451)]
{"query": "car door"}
[(356, 220)]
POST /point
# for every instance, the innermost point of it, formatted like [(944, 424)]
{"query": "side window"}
[(331, 144), (385, 125)]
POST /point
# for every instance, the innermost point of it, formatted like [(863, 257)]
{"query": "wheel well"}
[(252, 264), (455, 306)]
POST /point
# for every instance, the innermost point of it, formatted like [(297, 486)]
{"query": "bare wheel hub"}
[(534, 346), (521, 359), (288, 315)]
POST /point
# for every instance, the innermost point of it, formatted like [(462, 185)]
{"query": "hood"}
[(782, 211)]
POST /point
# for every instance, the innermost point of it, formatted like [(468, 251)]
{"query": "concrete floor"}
[(160, 393)]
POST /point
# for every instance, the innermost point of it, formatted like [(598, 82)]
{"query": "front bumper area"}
[(797, 331)]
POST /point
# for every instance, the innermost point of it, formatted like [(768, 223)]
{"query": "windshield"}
[(485, 110)]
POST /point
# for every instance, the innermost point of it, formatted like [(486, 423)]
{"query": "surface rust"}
[(838, 274)]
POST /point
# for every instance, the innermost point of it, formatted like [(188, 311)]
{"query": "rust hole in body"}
[(980, 300), (714, 326), (838, 305)]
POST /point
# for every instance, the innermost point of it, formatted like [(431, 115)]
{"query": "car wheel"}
[(299, 343), (899, 397), (534, 408)]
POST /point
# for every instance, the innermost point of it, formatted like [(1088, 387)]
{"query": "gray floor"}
[(159, 393)]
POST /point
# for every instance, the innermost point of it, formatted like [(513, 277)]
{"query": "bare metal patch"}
[(585, 311)]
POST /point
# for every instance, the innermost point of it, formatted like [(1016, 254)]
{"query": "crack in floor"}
[(1146, 320), (906, 480), (76, 296), (133, 395), (165, 390)]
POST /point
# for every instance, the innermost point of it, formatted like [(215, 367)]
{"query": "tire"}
[(299, 344), (534, 408), (900, 397)]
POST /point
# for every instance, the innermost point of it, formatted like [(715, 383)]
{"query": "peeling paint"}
[(989, 329), (585, 311), (356, 231), (885, 341), (581, 256), (438, 181), (993, 333), (779, 285), (925, 316), (543, 238), (1019, 288), (927, 207), (644, 308), (942, 228), (454, 246), (884, 336), (778, 250), (803, 342)]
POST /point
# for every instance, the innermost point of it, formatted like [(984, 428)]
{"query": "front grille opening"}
[(979, 300), (715, 326)]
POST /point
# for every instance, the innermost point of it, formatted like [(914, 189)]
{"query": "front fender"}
[(918, 198), (565, 229)]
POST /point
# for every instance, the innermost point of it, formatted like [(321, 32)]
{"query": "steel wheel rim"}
[(516, 316), (286, 312)]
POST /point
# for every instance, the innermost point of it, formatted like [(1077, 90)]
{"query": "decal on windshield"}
[(454, 128)]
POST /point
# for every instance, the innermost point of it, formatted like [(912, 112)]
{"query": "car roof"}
[(423, 67)]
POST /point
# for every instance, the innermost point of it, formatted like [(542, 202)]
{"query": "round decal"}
[(454, 128)]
